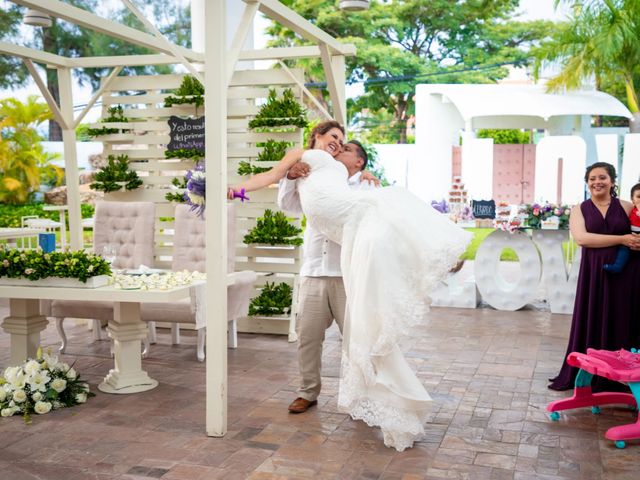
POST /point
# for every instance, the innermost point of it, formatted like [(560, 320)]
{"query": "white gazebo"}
[(446, 113), (204, 62)]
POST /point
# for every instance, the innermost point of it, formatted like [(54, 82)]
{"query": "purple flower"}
[(440, 206), (196, 189)]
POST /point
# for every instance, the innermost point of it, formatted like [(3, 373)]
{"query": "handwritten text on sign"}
[(484, 208), (186, 133)]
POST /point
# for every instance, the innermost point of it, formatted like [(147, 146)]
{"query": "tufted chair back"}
[(130, 227), (189, 242)]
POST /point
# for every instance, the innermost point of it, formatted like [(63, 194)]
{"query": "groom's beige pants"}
[(320, 301)]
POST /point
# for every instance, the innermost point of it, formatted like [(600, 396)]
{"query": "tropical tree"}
[(67, 39), (23, 161), (599, 42), (401, 43)]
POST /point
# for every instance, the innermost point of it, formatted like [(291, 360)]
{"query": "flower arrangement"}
[(156, 281), (273, 300), (196, 192), (40, 385), (116, 175), (36, 264), (274, 229), (536, 214)]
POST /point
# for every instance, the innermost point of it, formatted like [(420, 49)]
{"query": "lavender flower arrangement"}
[(440, 206), (195, 194)]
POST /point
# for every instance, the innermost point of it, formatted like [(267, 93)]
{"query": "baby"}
[(634, 218)]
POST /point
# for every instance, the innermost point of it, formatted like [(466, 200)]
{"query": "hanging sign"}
[(483, 208), (186, 134)]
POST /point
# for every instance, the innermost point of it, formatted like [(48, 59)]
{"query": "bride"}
[(395, 250)]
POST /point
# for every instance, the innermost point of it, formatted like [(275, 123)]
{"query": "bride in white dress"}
[(395, 250)]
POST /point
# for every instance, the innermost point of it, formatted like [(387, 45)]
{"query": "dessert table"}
[(25, 323)]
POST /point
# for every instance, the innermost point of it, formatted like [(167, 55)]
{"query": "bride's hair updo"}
[(321, 129)]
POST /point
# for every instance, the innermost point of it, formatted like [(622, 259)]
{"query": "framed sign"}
[(186, 134), (483, 208)]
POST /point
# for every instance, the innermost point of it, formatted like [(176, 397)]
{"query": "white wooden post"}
[(70, 158), (216, 224)]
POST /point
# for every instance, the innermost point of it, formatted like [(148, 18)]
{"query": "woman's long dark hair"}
[(611, 171), (321, 129)]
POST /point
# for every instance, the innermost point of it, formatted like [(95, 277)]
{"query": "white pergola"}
[(215, 80)]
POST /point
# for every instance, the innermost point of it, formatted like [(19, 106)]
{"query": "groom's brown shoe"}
[(301, 405)]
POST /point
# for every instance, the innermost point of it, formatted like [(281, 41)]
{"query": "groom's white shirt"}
[(320, 256)]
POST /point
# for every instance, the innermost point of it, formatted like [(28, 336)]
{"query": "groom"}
[(321, 297)]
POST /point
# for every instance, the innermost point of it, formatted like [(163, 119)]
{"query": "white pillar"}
[(216, 223), (197, 25), (70, 159)]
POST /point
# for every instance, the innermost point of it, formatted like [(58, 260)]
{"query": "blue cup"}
[(47, 242)]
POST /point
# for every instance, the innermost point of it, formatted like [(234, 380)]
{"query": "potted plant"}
[(190, 92), (115, 114), (116, 176), (273, 300), (180, 185), (273, 151), (67, 268), (280, 112), (273, 229)]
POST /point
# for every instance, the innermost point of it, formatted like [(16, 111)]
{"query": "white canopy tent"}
[(445, 113), (211, 52)]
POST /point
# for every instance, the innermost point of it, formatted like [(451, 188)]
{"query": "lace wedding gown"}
[(395, 250)]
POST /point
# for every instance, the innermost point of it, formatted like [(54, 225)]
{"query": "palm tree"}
[(600, 40), (22, 157)]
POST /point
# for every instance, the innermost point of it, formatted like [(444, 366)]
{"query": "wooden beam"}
[(113, 29), (334, 73), (290, 19), (37, 56), (240, 37), (123, 61), (283, 53), (46, 94), (306, 91), (96, 95), (215, 104)]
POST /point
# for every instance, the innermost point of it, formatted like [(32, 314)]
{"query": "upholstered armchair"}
[(129, 226), (189, 254)]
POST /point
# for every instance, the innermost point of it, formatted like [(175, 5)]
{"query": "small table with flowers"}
[(25, 323)]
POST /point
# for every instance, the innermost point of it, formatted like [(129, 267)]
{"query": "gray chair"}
[(130, 227), (189, 254)]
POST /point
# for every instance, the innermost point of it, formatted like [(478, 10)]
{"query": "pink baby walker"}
[(620, 365)]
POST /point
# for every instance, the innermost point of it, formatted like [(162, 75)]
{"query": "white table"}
[(25, 323), (63, 223), (15, 233)]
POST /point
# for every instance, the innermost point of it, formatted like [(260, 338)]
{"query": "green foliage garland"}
[(190, 153), (273, 300), (279, 112), (115, 114), (274, 229), (177, 196), (190, 92), (35, 264), (117, 170)]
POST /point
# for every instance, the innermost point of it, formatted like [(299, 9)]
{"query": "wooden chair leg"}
[(153, 334), (175, 334), (96, 330), (200, 345), (232, 334), (63, 336)]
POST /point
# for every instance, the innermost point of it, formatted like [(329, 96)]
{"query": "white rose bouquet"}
[(40, 385)]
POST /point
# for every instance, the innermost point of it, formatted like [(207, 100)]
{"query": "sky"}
[(531, 10)]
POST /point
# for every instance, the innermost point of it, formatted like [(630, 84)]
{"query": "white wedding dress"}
[(395, 250)]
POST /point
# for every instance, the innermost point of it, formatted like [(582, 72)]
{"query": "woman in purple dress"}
[(606, 314)]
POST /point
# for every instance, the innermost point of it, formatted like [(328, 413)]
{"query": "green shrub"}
[(190, 92), (279, 112), (117, 170), (115, 114), (273, 300), (505, 136), (274, 229)]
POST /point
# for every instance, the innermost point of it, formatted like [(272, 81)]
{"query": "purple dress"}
[(606, 314)]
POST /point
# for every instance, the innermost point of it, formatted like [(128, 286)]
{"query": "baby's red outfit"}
[(634, 218)]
